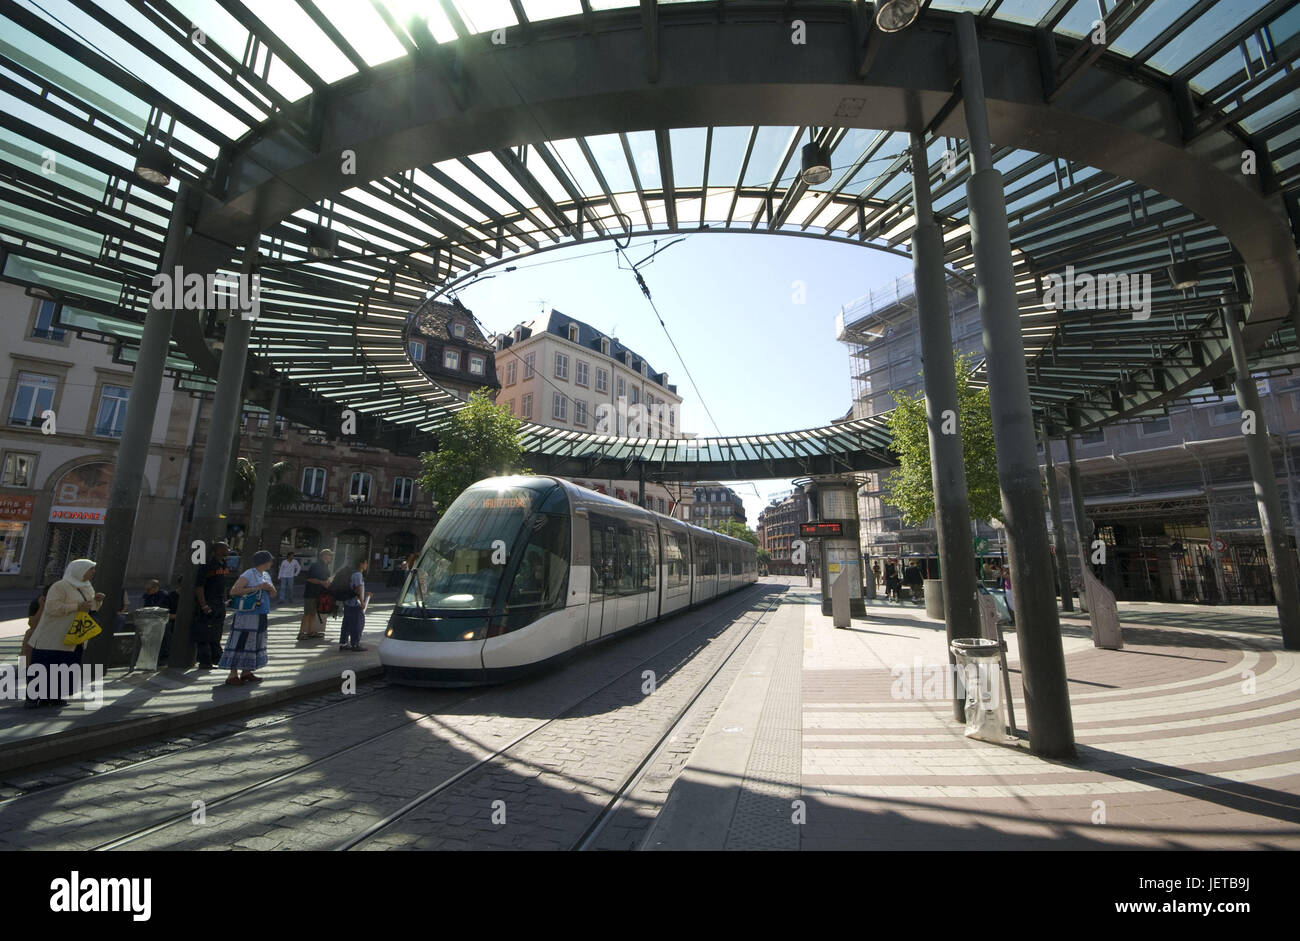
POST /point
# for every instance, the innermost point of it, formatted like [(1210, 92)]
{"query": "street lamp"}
[(894, 15)]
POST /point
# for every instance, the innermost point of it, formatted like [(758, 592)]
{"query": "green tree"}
[(738, 530), (481, 440), (910, 488), (764, 558), (279, 493)]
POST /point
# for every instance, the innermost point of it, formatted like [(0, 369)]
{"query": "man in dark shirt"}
[(210, 613), (316, 579)]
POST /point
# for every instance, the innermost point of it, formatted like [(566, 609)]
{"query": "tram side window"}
[(629, 578), (604, 555), (704, 552), (542, 576), (647, 566), (676, 573)]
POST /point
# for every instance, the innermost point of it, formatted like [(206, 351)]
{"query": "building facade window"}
[(313, 483), (359, 487), (458, 330), (18, 469), (622, 387), (672, 418), (530, 365), (512, 372), (526, 406), (1225, 413), (580, 412), (476, 365), (33, 396), (634, 394), (561, 366), (111, 418), (417, 350), (403, 490), (451, 359), (1097, 436), (44, 328), (559, 407), (602, 380), (580, 373)]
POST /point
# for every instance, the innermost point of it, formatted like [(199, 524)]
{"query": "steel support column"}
[(208, 522), (1058, 527), (1038, 625), (264, 465), (947, 460), (133, 447), (1082, 531), (1276, 542)]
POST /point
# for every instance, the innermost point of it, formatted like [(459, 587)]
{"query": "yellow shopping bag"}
[(83, 628)]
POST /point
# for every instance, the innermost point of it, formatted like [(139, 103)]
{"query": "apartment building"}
[(65, 405), (1170, 495), (445, 341), (713, 504), (563, 373), (778, 528)]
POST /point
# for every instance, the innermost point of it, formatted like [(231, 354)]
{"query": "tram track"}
[(250, 725), (616, 800), (739, 603)]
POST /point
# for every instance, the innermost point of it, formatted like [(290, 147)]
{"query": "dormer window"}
[(645, 370), (458, 330), (573, 333), (417, 350), (604, 346)]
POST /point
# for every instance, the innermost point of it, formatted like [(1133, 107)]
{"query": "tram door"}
[(603, 596)]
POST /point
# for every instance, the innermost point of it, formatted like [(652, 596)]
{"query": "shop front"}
[(15, 527), (76, 519)]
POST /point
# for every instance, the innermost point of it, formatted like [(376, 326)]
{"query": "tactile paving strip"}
[(765, 816)]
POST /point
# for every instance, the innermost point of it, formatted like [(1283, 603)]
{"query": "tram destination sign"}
[(821, 528)]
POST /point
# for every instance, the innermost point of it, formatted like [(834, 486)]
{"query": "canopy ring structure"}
[(465, 154)]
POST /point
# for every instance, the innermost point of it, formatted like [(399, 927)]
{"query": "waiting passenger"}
[(354, 608), (246, 647)]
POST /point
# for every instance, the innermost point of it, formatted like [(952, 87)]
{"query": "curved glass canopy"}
[(83, 85)]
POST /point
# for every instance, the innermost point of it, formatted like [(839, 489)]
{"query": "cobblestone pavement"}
[(397, 743)]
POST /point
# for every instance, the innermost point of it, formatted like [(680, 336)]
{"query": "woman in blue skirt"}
[(246, 646)]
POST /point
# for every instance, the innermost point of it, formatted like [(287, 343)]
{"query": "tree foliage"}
[(910, 487), (279, 493), (738, 530), (481, 440)]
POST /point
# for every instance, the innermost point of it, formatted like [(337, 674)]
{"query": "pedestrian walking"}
[(893, 584), (210, 617), (67, 598), (246, 649), (354, 607), (289, 570), (317, 580)]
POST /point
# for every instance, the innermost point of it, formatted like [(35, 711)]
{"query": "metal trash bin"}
[(150, 626), (981, 677)]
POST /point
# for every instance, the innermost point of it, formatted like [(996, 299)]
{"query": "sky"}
[(752, 316)]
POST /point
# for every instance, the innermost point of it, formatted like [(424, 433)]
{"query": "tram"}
[(523, 571)]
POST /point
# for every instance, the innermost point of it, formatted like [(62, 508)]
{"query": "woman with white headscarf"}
[(246, 647), (68, 597)]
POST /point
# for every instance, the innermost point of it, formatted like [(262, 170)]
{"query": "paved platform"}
[(1189, 737), (137, 705)]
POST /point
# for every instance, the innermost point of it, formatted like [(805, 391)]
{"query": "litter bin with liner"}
[(978, 663), (150, 625)]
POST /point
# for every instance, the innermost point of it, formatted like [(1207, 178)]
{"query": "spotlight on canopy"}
[(154, 164), (816, 164), (321, 242), (893, 15)]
